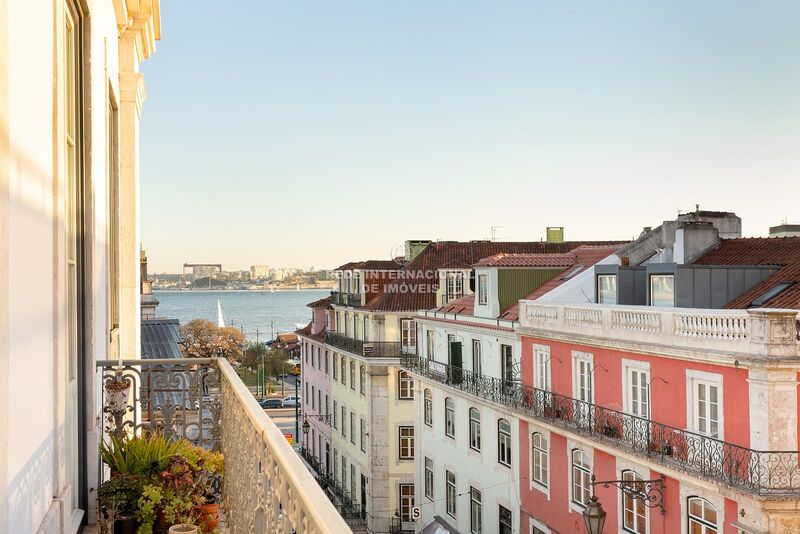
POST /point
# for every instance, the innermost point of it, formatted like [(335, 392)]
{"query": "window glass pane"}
[(607, 289), (662, 290)]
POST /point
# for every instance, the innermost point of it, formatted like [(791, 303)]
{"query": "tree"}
[(253, 354), (201, 339)]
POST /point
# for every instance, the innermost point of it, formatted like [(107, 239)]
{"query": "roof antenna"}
[(493, 230)]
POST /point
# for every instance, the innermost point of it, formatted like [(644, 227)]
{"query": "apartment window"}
[(408, 335), (327, 322), (335, 415), (704, 396), (539, 459), (475, 429), (355, 326), (450, 493), (352, 428), (428, 408), (344, 421), (112, 179), (357, 283), (475, 511), (344, 471), (362, 379), (637, 389), (450, 417), (363, 434), (326, 362), (455, 285), (634, 511), (313, 398), (507, 361), (430, 341), (305, 352), (406, 385), (406, 442), (542, 357), (581, 478), (607, 289), (504, 442), (344, 371), (505, 521), (702, 516), (583, 383), (366, 328), (476, 357), (339, 322), (406, 502), (347, 321), (662, 290), (306, 399), (353, 480), (353, 375), (483, 289), (335, 367), (319, 400), (335, 464), (429, 478)]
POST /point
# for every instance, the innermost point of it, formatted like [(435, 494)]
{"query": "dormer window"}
[(662, 290), (454, 286), (483, 289), (607, 289)]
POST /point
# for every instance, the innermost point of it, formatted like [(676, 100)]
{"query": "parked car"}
[(291, 401), (270, 403)]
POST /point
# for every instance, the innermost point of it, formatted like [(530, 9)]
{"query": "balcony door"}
[(406, 506), (454, 358)]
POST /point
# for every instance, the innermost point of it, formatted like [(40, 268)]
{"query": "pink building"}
[(315, 391)]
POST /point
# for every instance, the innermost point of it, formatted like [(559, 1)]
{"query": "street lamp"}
[(305, 431), (651, 492)]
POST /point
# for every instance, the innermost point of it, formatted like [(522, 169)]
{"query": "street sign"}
[(289, 437), (415, 513)]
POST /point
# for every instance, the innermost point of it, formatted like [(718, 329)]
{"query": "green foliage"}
[(120, 494), (141, 455)]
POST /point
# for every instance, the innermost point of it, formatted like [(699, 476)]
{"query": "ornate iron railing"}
[(266, 487), (759, 472), (368, 349), (351, 510)]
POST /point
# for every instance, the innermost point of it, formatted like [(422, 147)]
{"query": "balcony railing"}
[(266, 487), (369, 349), (353, 513), (346, 299), (760, 472)]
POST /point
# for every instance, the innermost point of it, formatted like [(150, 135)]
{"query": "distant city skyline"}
[(333, 132)]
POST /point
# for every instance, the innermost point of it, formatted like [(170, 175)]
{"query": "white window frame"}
[(541, 366), (405, 441), (583, 360), (589, 452), (477, 357), (405, 382), (408, 334), (628, 367), (475, 519), (427, 408), (428, 478), (450, 418), (505, 438), (475, 430), (616, 287), (538, 525), (706, 525), (362, 380), (483, 289), (363, 433), (454, 285), (693, 379), (625, 500), (451, 493), (534, 452)]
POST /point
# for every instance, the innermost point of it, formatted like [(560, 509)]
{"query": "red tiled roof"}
[(370, 265), (415, 289), (306, 332), (778, 251), (527, 260), (321, 303)]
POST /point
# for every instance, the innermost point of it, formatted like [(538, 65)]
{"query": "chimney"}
[(692, 239), (555, 234), (414, 247)]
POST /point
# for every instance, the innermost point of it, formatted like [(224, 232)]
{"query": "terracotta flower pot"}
[(208, 516), (184, 529)]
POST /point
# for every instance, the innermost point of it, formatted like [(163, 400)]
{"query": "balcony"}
[(763, 473), (352, 512), (266, 487), (368, 349), (346, 299)]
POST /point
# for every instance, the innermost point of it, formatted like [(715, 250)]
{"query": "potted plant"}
[(118, 500), (209, 491), (170, 499)]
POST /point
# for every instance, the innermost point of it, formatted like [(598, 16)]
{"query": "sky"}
[(302, 133)]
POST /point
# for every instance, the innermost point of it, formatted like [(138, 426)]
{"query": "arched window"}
[(539, 459), (428, 408), (405, 385), (634, 511), (475, 429), (581, 477), (450, 417), (702, 516), (504, 442)]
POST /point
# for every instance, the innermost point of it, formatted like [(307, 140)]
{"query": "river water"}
[(250, 311)]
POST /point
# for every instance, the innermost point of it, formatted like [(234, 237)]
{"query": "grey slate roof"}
[(160, 338)]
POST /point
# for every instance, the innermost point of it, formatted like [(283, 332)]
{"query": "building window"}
[(475, 429), (352, 428), (507, 361), (344, 471), (339, 322), (450, 493), (450, 417), (406, 442), (306, 399), (475, 511), (455, 286), (344, 371), (305, 351), (406, 502), (366, 328), (335, 415), (581, 478), (539, 459), (326, 362), (542, 357), (607, 289), (583, 383), (353, 375), (504, 442), (335, 464), (702, 516), (637, 388), (505, 522), (319, 400), (428, 408), (634, 511), (483, 289), (335, 367), (430, 341), (406, 385), (355, 326), (408, 336), (313, 398), (363, 434), (112, 179), (477, 367), (344, 421), (662, 290), (429, 478), (353, 480), (704, 398), (362, 379)]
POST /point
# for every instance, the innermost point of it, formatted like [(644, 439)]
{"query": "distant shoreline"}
[(212, 290)]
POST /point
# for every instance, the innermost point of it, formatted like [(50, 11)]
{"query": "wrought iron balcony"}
[(368, 349), (351, 511), (266, 487), (766, 473)]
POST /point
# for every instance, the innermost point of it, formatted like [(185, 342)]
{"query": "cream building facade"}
[(71, 96)]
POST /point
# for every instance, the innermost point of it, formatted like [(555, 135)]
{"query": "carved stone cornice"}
[(132, 89)]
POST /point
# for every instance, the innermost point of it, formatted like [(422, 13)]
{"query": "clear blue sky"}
[(304, 133)]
